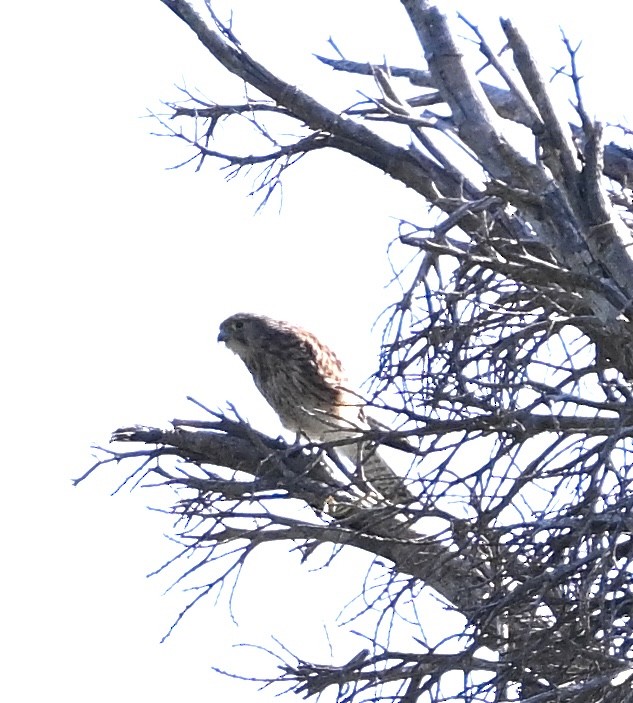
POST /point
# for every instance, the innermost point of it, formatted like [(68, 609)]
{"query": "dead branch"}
[(507, 365)]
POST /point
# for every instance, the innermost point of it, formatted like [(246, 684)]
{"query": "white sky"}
[(115, 275)]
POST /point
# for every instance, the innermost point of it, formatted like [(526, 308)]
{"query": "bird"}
[(303, 380)]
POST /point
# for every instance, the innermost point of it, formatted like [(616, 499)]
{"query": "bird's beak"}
[(222, 337)]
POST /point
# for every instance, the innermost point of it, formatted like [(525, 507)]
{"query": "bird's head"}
[(242, 333)]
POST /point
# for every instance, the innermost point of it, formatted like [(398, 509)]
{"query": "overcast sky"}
[(115, 275)]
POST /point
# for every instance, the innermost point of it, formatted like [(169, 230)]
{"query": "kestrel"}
[(304, 382)]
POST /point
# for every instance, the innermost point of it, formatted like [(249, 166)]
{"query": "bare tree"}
[(507, 366)]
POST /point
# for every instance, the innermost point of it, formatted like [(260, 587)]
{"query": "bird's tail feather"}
[(375, 472)]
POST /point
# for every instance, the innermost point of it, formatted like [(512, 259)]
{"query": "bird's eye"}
[(238, 324)]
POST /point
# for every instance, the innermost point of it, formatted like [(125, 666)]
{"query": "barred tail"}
[(375, 472)]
